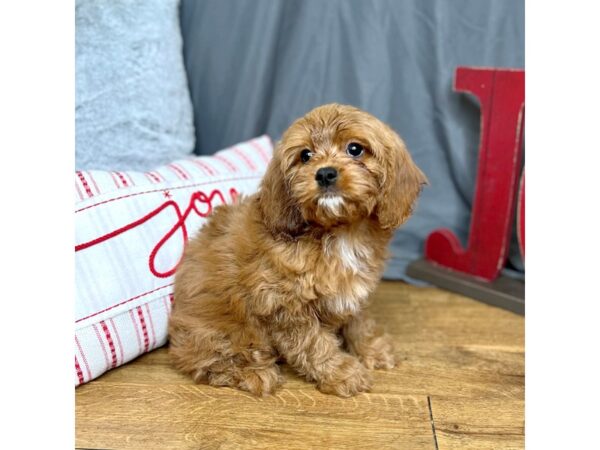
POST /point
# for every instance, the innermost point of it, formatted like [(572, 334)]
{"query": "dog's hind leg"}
[(241, 358)]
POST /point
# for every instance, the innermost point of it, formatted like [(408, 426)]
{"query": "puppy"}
[(285, 274)]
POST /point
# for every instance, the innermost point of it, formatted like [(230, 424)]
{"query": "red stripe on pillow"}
[(85, 184), (111, 344), (261, 151), (247, 160), (89, 175), (118, 340), (102, 345), (115, 180), (122, 176), (81, 197), (167, 305), (78, 370), (87, 366), (122, 180), (204, 166), (179, 171), (144, 329), (151, 326), (225, 161), (153, 177), (137, 332)]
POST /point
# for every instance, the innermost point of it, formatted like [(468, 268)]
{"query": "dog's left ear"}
[(402, 183), (279, 211)]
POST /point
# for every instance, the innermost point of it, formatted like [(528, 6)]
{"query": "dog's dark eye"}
[(355, 150), (305, 155)]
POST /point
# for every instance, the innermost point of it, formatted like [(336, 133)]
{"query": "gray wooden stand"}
[(504, 292)]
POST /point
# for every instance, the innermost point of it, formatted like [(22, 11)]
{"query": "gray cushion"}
[(133, 109)]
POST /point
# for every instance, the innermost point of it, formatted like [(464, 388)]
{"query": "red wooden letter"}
[(502, 96)]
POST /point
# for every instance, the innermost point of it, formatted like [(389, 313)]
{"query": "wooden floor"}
[(460, 385)]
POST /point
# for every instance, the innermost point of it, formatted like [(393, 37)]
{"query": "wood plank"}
[(452, 349), (187, 416), (480, 423)]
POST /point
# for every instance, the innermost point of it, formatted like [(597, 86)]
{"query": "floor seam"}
[(432, 423)]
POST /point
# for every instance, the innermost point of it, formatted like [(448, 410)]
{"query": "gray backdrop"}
[(256, 65)]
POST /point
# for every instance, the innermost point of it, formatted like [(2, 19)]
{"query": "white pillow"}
[(130, 229)]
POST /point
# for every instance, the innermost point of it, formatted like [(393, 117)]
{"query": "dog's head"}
[(337, 165)]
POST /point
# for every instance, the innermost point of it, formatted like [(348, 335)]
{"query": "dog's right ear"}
[(404, 181), (280, 212)]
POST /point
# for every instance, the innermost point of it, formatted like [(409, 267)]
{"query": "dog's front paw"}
[(378, 353), (347, 379), (258, 381), (261, 382)]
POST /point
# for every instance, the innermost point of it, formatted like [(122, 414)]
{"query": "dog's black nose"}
[(326, 176)]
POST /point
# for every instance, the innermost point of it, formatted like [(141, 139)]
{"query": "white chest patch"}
[(349, 302), (344, 305), (333, 204), (352, 254)]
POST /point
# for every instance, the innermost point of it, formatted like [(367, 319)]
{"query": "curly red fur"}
[(284, 275)]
